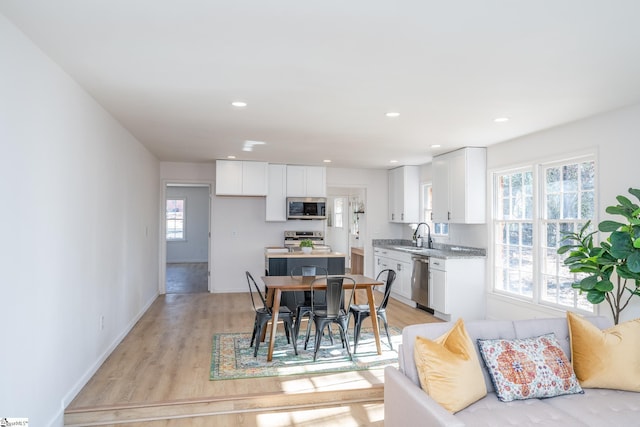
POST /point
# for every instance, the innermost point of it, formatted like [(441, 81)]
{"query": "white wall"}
[(194, 248), (615, 137), (240, 233), (80, 216)]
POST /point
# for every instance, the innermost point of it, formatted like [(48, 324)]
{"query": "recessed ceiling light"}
[(393, 161), (327, 161), (248, 145), (239, 104), (436, 145), (231, 157), (501, 119), (392, 114)]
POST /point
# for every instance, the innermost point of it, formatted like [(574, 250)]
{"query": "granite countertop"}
[(300, 254), (438, 250)]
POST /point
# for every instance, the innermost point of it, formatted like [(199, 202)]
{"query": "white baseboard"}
[(84, 379)]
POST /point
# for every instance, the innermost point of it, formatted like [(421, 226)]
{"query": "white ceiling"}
[(319, 76)]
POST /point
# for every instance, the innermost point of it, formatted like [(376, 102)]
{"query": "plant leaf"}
[(604, 286), (621, 245), (625, 202), (609, 226), (588, 283), (595, 297), (635, 192), (633, 261)]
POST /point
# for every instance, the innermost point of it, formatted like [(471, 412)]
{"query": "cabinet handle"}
[(431, 216), (402, 216), (448, 215), (393, 216)]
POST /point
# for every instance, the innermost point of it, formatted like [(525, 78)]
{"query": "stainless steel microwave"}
[(306, 208)]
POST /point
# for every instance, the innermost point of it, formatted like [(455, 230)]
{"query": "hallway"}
[(187, 277)]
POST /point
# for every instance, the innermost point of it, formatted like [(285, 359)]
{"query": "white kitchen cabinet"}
[(306, 181), (401, 263), (457, 288), (240, 178), (276, 200), (404, 194), (459, 186)]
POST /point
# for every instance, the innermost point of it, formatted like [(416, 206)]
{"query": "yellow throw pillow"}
[(605, 359), (449, 369)]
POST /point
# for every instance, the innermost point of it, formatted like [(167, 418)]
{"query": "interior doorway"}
[(346, 224), (187, 238)]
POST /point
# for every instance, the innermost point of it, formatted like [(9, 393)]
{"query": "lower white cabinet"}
[(457, 288), (401, 263)]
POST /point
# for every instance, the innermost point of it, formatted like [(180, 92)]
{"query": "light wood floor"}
[(159, 374)]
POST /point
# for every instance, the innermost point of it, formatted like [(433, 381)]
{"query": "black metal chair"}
[(303, 306), (362, 311), (264, 315), (334, 310)]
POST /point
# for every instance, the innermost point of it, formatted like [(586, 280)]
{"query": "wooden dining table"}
[(277, 284)]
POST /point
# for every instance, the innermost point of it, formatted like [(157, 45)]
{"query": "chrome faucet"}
[(416, 235)]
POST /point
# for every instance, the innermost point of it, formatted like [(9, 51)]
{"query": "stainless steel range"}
[(292, 240)]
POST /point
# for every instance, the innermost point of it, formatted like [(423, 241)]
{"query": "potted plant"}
[(617, 259), (306, 245)]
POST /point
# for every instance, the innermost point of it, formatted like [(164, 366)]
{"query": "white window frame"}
[(426, 213), (539, 222)]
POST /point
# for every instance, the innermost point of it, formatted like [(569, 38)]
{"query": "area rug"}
[(232, 358)]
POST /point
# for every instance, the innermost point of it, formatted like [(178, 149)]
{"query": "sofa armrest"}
[(406, 404)]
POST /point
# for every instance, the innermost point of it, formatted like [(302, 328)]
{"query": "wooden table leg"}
[(374, 317), (275, 308)]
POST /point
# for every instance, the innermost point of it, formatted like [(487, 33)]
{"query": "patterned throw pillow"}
[(528, 368)]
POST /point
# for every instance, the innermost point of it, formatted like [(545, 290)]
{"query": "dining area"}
[(334, 306)]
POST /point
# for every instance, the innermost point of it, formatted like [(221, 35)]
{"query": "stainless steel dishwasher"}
[(420, 281)]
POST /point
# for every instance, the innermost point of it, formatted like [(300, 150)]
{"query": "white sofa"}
[(406, 404)]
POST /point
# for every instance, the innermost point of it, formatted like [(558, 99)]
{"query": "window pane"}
[(175, 219), (587, 205), (553, 206), (570, 178), (570, 205), (587, 175), (552, 180)]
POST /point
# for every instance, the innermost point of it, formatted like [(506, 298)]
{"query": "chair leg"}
[(287, 331), (288, 326), (318, 340), (343, 333), (306, 337), (383, 316), (253, 334), (357, 325)]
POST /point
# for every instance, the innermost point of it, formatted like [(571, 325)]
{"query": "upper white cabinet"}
[(276, 201), (404, 194), (240, 178), (459, 186), (306, 181)]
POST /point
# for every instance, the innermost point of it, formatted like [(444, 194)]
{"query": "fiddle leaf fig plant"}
[(617, 259)]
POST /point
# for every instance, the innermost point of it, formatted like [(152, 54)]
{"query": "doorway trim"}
[(162, 276)]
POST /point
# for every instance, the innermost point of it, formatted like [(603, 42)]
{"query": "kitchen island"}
[(281, 264)]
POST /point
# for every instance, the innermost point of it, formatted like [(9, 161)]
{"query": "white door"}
[(338, 225)]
